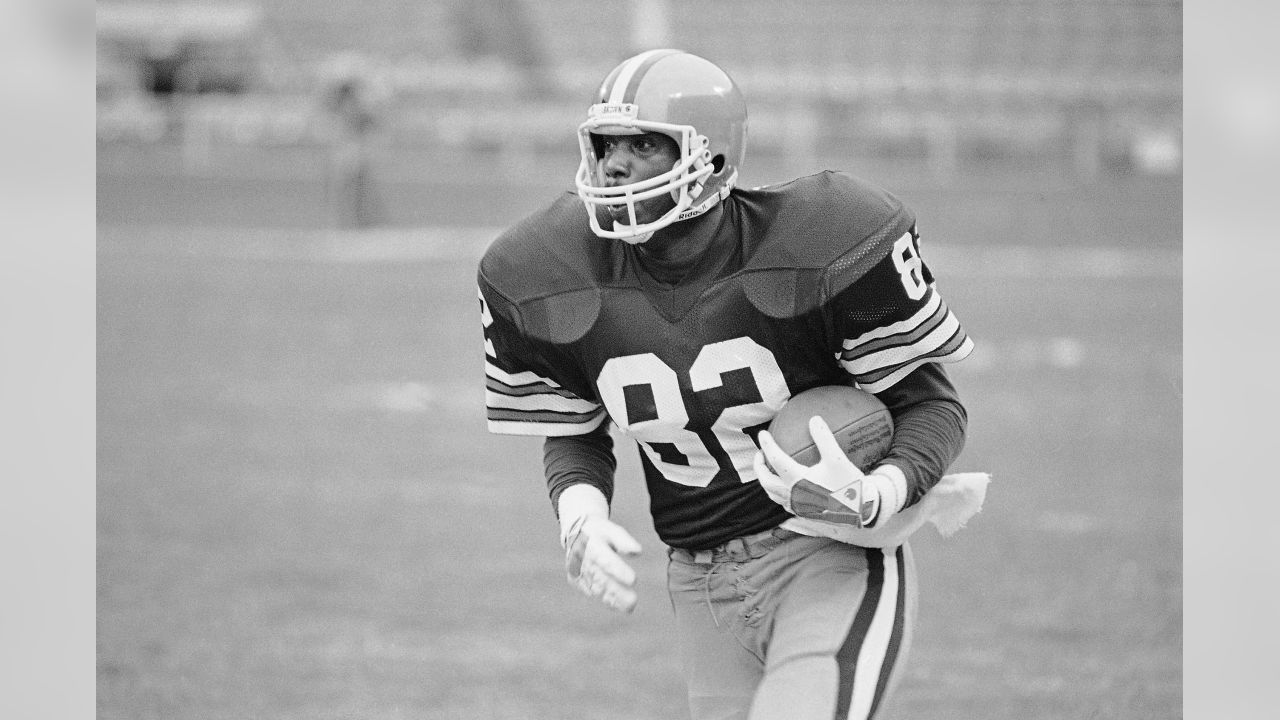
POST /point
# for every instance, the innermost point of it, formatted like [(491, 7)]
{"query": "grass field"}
[(301, 516)]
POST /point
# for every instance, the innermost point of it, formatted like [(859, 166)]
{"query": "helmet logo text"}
[(627, 110)]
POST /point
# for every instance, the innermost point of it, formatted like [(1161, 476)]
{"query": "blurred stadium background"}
[(936, 90), (299, 512)]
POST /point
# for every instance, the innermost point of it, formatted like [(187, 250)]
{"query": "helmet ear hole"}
[(717, 164)]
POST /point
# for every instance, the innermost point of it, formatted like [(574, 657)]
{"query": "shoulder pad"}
[(546, 268), (815, 236), (783, 292)]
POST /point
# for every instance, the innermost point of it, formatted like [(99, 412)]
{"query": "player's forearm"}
[(579, 459), (927, 438), (929, 427)]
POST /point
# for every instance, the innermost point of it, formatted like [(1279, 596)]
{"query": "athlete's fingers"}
[(829, 449), (763, 471), (606, 562), (775, 487), (598, 571), (595, 551), (621, 599), (621, 540), (598, 541), (783, 464)]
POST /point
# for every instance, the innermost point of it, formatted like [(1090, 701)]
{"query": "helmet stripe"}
[(632, 72)]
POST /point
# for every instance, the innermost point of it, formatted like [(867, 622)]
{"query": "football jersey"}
[(817, 281)]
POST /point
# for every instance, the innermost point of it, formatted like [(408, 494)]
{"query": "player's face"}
[(626, 159)]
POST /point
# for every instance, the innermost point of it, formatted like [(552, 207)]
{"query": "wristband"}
[(891, 484)]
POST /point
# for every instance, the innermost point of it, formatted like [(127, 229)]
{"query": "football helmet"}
[(684, 97)]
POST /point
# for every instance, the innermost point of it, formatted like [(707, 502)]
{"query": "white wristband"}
[(893, 494)]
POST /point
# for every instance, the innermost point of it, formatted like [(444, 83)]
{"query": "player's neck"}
[(674, 250)]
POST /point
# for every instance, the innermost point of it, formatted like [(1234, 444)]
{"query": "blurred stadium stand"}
[(1089, 86)]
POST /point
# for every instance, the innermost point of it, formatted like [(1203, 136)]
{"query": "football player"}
[(665, 301)]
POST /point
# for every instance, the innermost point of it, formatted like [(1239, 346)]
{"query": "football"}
[(860, 422)]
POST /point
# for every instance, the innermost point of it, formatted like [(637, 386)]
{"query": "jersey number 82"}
[(671, 416)]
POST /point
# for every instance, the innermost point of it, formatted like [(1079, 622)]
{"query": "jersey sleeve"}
[(529, 385), (891, 319)]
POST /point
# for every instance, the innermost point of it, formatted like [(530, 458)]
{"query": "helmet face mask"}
[(685, 98)]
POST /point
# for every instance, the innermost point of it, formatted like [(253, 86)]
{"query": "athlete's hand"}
[(834, 490), (593, 551)]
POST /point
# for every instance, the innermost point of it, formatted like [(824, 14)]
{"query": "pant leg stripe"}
[(865, 658), (899, 626), (847, 656)]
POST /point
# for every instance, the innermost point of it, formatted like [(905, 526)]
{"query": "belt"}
[(739, 549)]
